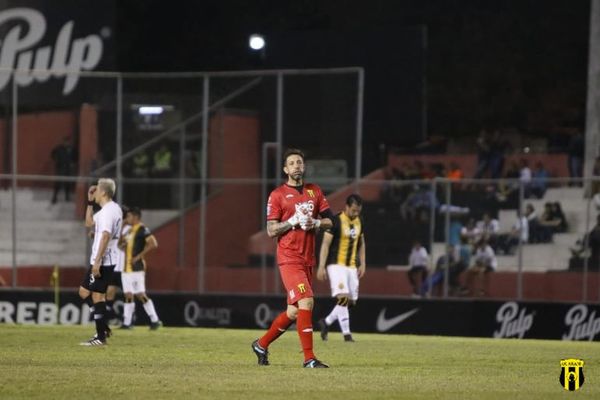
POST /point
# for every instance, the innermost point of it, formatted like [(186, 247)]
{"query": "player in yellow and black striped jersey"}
[(137, 243), (343, 250)]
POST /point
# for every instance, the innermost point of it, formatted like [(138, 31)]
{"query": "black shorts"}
[(115, 279), (98, 284)]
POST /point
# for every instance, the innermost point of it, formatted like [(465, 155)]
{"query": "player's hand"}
[(96, 269), (135, 259), (295, 220), (361, 271), (306, 222), (91, 192), (321, 274)]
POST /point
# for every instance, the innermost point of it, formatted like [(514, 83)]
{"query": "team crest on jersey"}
[(341, 285), (306, 207), (311, 193), (301, 288), (351, 232)]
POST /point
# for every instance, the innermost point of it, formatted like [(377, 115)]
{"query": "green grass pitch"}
[(185, 363)]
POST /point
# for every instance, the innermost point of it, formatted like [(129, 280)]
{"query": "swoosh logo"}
[(384, 324)]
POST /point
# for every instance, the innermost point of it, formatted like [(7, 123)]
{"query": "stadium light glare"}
[(256, 42), (150, 110)]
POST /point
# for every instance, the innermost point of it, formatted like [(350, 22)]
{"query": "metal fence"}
[(165, 138), (223, 135)]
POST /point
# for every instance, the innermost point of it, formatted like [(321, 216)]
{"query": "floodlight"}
[(256, 42)]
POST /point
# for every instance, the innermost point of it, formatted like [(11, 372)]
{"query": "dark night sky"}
[(520, 63)]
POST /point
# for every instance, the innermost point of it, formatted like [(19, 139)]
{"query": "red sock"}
[(278, 328), (305, 331)]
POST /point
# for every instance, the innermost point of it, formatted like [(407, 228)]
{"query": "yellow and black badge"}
[(571, 374)]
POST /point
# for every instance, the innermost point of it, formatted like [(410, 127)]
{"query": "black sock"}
[(99, 319), (88, 300), (110, 312)]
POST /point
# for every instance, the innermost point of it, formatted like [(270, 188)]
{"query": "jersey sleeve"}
[(335, 225), (323, 203), (104, 223), (274, 209), (145, 232)]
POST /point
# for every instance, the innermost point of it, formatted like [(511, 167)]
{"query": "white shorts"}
[(343, 280), (134, 282)]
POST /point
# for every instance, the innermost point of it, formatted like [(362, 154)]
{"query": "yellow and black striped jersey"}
[(347, 234), (136, 241)]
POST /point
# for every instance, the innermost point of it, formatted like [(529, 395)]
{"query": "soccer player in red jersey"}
[(295, 211)]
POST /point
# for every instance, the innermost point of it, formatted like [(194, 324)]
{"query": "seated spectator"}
[(478, 275), (470, 232), (537, 233), (457, 260), (519, 234), (587, 250), (596, 183), (419, 261), (553, 218), (539, 181), (489, 228), (560, 216)]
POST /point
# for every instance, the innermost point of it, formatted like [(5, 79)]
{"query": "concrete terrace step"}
[(61, 259)]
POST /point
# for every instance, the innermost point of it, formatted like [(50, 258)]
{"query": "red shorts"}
[(297, 279)]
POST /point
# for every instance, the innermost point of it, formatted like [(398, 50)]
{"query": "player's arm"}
[(104, 239), (276, 228), (323, 254), (151, 244), (89, 211), (362, 257), (326, 220)]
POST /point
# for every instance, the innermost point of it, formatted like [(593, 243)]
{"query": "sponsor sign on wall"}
[(51, 44), (494, 319)]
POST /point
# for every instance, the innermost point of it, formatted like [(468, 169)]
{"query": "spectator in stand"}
[(593, 242), (498, 148), (454, 172), (508, 188), (418, 261), (537, 234), (519, 234), (64, 156), (525, 177), (470, 232), (575, 151), (483, 154), (539, 181), (558, 214), (596, 183), (489, 228), (478, 280)]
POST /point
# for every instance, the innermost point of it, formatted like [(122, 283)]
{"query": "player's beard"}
[(297, 177)]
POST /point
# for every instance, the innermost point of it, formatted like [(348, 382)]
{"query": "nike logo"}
[(384, 324), (287, 196)]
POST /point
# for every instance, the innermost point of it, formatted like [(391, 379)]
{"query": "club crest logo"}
[(571, 374)]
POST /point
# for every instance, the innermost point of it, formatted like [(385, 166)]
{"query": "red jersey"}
[(296, 245)]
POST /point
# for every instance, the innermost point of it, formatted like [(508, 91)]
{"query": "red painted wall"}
[(38, 134), (233, 153)]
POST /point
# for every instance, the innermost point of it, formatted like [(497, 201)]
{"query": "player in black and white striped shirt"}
[(107, 230)]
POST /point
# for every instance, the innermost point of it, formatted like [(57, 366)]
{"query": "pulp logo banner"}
[(513, 323), (52, 43), (581, 324)]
